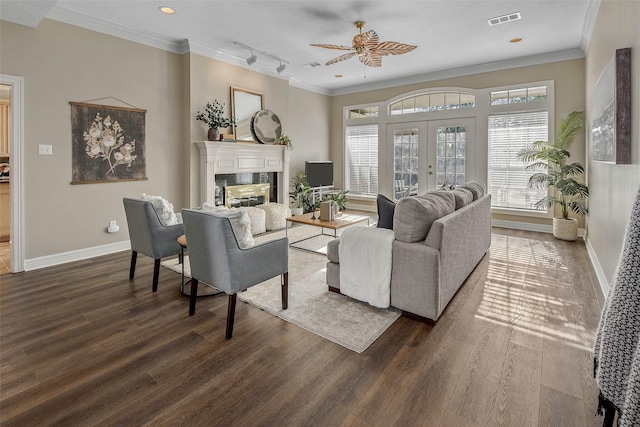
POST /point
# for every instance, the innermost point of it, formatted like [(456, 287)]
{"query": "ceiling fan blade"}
[(371, 59), (341, 58), (393, 48), (332, 46), (368, 40)]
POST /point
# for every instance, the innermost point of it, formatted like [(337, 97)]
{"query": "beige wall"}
[(61, 63), (304, 115), (569, 96), (613, 187)]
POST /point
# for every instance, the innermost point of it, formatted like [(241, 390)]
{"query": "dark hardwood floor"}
[(81, 345)]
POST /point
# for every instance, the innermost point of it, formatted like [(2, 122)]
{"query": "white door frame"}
[(17, 169), (421, 126), (470, 147)]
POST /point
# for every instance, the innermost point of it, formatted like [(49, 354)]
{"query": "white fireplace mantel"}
[(227, 157)]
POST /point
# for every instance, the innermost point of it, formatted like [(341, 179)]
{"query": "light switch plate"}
[(45, 150)]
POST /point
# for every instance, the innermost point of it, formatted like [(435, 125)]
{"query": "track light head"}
[(252, 59), (281, 68)]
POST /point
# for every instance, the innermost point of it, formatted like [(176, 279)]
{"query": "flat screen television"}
[(319, 173)]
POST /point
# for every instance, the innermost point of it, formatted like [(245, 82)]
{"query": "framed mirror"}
[(244, 103)]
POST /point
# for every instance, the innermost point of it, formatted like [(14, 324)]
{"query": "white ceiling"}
[(453, 36)]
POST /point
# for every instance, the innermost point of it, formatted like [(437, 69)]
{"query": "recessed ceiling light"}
[(167, 10), (516, 40)]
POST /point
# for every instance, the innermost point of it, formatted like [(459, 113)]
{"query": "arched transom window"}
[(436, 101)]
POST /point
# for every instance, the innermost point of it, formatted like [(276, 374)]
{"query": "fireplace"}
[(226, 164)]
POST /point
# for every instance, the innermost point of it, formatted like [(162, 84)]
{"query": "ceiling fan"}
[(368, 48)]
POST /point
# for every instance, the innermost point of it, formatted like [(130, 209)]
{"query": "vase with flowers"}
[(213, 116), (285, 140)]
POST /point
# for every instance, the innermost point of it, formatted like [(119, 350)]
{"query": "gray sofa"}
[(435, 249)]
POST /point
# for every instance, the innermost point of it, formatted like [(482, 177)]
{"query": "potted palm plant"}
[(551, 160)]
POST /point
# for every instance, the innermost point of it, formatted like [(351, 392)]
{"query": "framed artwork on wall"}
[(108, 144), (611, 111)]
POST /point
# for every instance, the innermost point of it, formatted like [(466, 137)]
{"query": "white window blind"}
[(361, 159), (508, 134)]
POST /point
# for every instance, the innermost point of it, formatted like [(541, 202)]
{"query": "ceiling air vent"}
[(504, 18)]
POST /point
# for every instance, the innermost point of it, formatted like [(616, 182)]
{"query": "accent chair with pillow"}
[(217, 258), (149, 235)]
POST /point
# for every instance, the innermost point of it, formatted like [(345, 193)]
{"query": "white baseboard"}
[(518, 225), (527, 226), (77, 255), (602, 279)]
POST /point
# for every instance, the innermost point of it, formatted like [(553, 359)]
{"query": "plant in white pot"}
[(550, 158), (300, 190)]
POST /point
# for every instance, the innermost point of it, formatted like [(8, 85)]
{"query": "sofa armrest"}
[(332, 251)]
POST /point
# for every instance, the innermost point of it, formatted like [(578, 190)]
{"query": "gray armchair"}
[(217, 259), (148, 236)]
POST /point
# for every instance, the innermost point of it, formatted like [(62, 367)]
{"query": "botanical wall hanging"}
[(108, 143)]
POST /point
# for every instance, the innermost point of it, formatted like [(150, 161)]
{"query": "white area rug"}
[(350, 323)]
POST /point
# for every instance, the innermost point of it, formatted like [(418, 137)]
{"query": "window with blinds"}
[(508, 179), (361, 159)]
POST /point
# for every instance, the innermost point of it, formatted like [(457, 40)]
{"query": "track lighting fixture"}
[(252, 59), (255, 53)]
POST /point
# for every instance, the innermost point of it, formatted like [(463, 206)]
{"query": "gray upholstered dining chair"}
[(216, 258), (149, 236)]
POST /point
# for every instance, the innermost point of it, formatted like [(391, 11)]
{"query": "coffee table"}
[(344, 220)]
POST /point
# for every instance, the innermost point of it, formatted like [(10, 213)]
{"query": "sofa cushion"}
[(386, 208), (477, 188), (414, 215), (164, 209), (463, 197)]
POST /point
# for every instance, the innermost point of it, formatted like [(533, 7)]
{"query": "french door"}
[(430, 154)]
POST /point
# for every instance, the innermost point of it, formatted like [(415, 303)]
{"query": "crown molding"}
[(589, 23), (524, 61), (213, 53), (190, 46), (100, 26)]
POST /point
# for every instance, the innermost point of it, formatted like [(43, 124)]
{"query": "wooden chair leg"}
[(194, 297), (132, 269), (156, 273), (285, 290), (231, 313)]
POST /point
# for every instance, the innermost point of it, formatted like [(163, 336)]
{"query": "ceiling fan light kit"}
[(367, 47)]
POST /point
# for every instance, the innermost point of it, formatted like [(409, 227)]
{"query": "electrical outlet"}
[(112, 223), (45, 150)]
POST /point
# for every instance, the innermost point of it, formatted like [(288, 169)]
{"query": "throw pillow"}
[(386, 208), (240, 222), (414, 215), (164, 209), (477, 188), (463, 197)]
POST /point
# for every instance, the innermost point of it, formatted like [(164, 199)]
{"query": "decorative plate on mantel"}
[(266, 127)]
